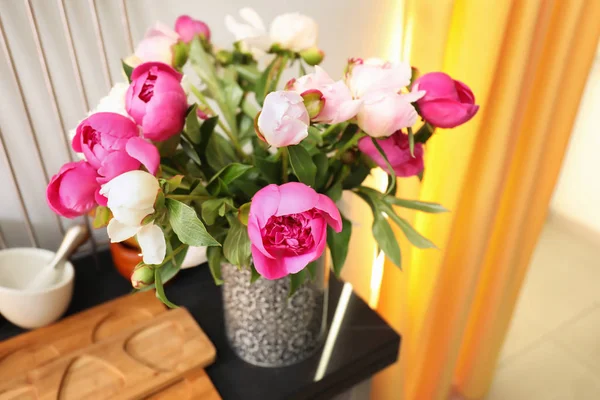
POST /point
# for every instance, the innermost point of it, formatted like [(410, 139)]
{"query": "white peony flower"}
[(291, 31), (294, 31), (113, 102), (131, 198), (251, 33)]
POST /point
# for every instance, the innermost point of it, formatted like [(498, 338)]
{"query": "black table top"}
[(362, 346)]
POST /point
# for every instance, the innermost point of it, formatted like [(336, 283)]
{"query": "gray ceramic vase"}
[(265, 326)]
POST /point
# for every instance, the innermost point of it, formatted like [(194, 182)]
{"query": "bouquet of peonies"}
[(201, 148)]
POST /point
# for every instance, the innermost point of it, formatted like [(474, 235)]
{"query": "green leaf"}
[(411, 142), (269, 78), (322, 164), (214, 254), (173, 183), (233, 93), (382, 231), (249, 72), (269, 168), (384, 236), (296, 280), (190, 152), (219, 152), (206, 130), (180, 52), (160, 291), (390, 170), (312, 269), (302, 165), (230, 173), (236, 247), (338, 245), (424, 133), (192, 126), (127, 69), (210, 209), (255, 275), (102, 216), (424, 206), (244, 212), (411, 234), (185, 223), (358, 173), (335, 191)]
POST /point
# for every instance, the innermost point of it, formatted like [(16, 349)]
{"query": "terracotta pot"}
[(125, 257)]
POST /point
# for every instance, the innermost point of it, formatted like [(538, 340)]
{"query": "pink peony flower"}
[(156, 100), (157, 44), (374, 74), (283, 120), (384, 112), (287, 226), (73, 190), (448, 103), (398, 153), (339, 105), (188, 28), (111, 144)]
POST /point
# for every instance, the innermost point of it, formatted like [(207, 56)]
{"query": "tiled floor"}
[(552, 351)]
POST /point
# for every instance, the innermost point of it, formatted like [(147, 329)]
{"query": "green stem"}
[(173, 254), (351, 143), (285, 158), (227, 131), (331, 129), (170, 170)]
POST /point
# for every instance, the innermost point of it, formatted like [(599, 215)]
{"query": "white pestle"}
[(48, 276)]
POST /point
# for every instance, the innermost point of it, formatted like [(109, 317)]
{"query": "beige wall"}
[(577, 194)]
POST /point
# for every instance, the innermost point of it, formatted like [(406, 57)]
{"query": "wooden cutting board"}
[(128, 348)]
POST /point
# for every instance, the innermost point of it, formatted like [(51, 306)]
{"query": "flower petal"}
[(144, 152), (117, 231), (153, 244), (296, 198), (269, 268), (330, 211)]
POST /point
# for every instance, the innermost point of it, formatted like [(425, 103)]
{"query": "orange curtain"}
[(527, 63)]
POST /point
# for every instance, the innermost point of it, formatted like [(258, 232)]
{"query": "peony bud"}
[(142, 276), (156, 100), (283, 120), (73, 191), (188, 28), (157, 44), (338, 105), (447, 102), (312, 56), (313, 101)]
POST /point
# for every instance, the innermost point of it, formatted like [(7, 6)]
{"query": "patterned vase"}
[(265, 326)]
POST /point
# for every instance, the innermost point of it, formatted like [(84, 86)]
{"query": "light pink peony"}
[(156, 100), (283, 120), (339, 105), (188, 28), (73, 191), (448, 103), (111, 144), (375, 74), (157, 44), (384, 112), (287, 226), (397, 150)]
